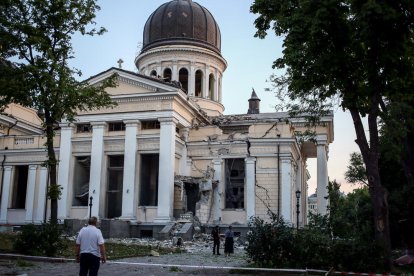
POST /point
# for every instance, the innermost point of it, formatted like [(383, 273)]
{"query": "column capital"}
[(32, 167), (132, 123), (97, 125), (250, 159), (66, 126), (167, 121), (8, 168), (217, 161), (321, 139)]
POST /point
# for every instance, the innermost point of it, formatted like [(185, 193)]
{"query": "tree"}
[(356, 172), (35, 50), (358, 54)]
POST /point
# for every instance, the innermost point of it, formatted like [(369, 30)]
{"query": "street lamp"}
[(297, 208), (90, 206)]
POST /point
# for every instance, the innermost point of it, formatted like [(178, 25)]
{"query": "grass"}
[(23, 263), (118, 250), (114, 250), (6, 242)]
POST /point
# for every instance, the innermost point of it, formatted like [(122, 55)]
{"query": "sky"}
[(249, 64)]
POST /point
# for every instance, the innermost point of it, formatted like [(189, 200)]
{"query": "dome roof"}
[(182, 22)]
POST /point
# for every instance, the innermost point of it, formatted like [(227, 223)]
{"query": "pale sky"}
[(249, 63)]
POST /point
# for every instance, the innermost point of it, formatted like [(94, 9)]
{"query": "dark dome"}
[(182, 22)]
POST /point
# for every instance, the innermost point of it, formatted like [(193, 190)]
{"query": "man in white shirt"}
[(90, 248)]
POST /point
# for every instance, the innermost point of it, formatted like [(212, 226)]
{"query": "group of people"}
[(228, 242), (90, 248)]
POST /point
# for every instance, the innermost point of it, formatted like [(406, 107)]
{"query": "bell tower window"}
[(199, 83), (183, 78), (167, 75), (211, 83)]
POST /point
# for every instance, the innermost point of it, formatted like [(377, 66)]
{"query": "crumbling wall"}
[(204, 207)]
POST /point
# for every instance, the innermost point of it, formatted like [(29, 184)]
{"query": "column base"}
[(163, 219), (134, 218)]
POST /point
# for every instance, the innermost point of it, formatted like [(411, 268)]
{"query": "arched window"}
[(199, 83), (183, 78), (167, 74), (211, 83), (153, 73)]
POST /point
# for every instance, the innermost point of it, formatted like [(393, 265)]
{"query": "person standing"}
[(229, 242), (216, 239), (90, 248)]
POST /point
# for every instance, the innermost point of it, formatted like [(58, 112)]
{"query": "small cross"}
[(120, 61)]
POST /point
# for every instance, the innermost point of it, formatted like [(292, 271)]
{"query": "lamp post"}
[(297, 208), (90, 206)]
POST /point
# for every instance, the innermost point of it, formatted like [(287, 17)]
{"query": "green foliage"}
[(43, 240), (343, 239), (354, 54), (34, 53), (23, 263), (356, 172), (54, 191), (175, 269)]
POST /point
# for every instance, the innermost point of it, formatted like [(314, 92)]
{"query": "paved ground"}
[(197, 263)]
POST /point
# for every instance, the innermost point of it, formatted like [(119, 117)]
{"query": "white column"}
[(30, 193), (97, 153), (216, 86), (220, 96), (286, 189), (129, 200), (206, 83), (322, 174), (217, 192), (174, 76), (5, 194), (159, 69), (41, 196), (166, 171), (250, 187), (191, 80), (65, 156), (302, 208), (184, 169)]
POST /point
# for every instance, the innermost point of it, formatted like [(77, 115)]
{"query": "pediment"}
[(130, 83)]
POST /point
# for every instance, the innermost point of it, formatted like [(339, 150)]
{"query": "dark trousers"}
[(89, 262), (216, 244)]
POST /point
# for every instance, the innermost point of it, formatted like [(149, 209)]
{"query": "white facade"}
[(163, 151)]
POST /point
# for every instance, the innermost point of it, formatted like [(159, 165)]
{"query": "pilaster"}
[(250, 187), (184, 168), (174, 76), (286, 189), (217, 192), (191, 80)]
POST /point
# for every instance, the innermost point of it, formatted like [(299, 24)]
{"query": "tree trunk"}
[(53, 189), (378, 194)]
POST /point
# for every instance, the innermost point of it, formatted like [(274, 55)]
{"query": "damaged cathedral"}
[(166, 152)]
